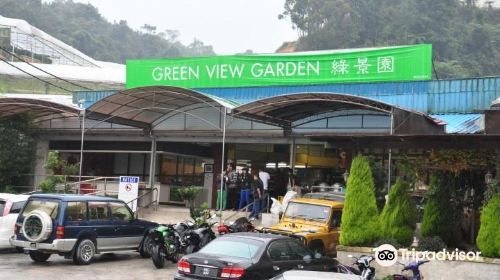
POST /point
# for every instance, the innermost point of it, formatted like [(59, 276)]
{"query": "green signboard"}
[(405, 63)]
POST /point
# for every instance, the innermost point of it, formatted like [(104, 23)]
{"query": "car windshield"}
[(48, 206), (233, 247), (307, 211)]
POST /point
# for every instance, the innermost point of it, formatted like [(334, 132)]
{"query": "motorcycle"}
[(240, 225), (165, 245), (367, 272), (192, 238)]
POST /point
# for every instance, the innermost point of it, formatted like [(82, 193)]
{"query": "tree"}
[(399, 216), (464, 37), (16, 149), (360, 215), (439, 211), (488, 239)]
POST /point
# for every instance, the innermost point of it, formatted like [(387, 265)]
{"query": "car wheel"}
[(84, 252), (146, 247), (158, 256), (37, 256)]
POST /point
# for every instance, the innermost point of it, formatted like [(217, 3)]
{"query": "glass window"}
[(2, 206), (120, 211), (278, 251), (48, 206), (336, 218), (298, 251), (121, 163), (98, 211), (169, 165), (16, 207), (307, 211), (188, 166), (137, 164), (76, 211), (233, 247)]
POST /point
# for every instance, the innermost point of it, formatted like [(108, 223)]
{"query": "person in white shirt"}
[(264, 177)]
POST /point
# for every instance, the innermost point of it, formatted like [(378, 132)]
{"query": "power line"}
[(48, 73), (26, 72)]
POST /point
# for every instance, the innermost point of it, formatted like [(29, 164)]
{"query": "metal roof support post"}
[(81, 145), (293, 152), (389, 164), (152, 163), (222, 166)]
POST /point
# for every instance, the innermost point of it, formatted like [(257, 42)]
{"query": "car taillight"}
[(6, 209), (59, 232), (184, 267), (232, 272)]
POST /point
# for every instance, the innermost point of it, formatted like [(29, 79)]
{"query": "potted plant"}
[(188, 194)]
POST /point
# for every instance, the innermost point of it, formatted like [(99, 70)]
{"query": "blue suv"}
[(78, 227)]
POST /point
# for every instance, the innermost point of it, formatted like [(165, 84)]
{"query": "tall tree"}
[(465, 38), (16, 150)]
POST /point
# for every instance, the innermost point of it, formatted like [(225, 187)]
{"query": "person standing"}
[(231, 180), (264, 177), (246, 186), (258, 190)]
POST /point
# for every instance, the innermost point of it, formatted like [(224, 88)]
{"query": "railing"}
[(153, 202), (76, 186)]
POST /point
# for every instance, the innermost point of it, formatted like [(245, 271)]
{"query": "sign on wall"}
[(404, 63), (128, 190)]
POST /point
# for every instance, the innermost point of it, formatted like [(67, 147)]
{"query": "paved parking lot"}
[(123, 265)]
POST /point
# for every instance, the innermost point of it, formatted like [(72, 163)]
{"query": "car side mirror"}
[(307, 259)]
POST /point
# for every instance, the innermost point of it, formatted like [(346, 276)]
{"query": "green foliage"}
[(433, 244), (49, 185), (399, 215), (488, 239), (360, 215), (439, 211), (200, 214), (56, 165), (16, 150), (83, 27), (464, 37), (188, 193)]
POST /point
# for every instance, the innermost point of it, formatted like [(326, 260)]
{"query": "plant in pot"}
[(188, 194)]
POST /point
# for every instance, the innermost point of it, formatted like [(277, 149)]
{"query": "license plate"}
[(206, 271), (33, 245)]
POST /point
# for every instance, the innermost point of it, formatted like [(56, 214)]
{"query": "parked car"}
[(313, 221), (78, 227), (247, 255), (10, 205), (315, 275)]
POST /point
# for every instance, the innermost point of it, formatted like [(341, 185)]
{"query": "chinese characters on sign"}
[(385, 64)]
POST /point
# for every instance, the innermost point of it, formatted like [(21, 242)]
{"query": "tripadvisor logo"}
[(387, 255)]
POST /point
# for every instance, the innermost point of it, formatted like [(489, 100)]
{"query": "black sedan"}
[(250, 256)]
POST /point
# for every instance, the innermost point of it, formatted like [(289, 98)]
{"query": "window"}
[(2, 206), (336, 218), (76, 211), (119, 211), (278, 251), (298, 251), (16, 207), (307, 211), (233, 247), (98, 211), (48, 206)]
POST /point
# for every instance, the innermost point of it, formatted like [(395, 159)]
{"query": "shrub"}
[(189, 194), (398, 218), (387, 240), (433, 244), (439, 218), (488, 238), (360, 216)]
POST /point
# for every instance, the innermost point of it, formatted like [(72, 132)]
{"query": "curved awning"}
[(40, 110), (283, 110), (145, 107)]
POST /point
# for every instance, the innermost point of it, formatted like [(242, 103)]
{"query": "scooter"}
[(367, 272), (414, 267)]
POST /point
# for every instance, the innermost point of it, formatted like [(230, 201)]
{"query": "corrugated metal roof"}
[(462, 123)]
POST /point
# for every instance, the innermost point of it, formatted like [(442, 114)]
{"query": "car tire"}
[(146, 247), (37, 256), (84, 252), (158, 256), (37, 226)]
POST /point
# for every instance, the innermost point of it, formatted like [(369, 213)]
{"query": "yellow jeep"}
[(314, 221)]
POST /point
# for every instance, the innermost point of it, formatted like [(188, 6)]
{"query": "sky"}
[(230, 26)]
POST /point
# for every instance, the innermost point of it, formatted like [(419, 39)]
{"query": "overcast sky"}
[(230, 26)]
